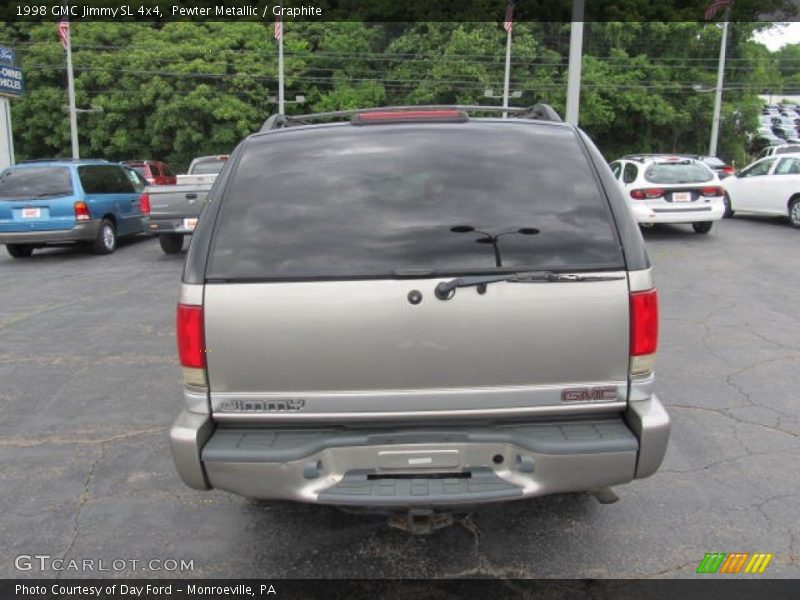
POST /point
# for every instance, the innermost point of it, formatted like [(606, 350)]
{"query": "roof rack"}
[(539, 112)]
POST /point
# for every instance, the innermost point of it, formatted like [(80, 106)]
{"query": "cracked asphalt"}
[(89, 386)]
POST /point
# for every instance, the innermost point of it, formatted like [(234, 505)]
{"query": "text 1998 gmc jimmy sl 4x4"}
[(417, 309)]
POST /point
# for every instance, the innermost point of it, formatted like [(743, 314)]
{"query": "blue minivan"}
[(56, 202)]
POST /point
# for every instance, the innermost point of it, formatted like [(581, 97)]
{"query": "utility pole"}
[(508, 25), (575, 58), (73, 115), (279, 37), (712, 146)]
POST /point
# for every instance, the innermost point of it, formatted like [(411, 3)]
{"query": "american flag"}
[(63, 33), (715, 7), (278, 28), (508, 22)]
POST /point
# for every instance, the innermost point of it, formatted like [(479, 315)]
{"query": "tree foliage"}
[(175, 90)]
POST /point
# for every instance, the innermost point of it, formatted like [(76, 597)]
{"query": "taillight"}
[(644, 331), (144, 203), (81, 211), (191, 344), (711, 191), (647, 193), (728, 170), (401, 116)]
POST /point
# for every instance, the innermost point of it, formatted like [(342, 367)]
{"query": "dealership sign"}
[(12, 83)]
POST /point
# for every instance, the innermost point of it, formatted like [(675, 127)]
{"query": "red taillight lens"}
[(81, 211), (644, 322), (728, 170), (647, 193), (144, 203), (191, 342), (711, 191)]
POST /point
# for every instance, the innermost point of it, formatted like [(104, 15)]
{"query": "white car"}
[(781, 148), (664, 188), (769, 186)]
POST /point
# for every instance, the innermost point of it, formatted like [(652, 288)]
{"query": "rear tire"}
[(106, 240), (794, 213), (171, 243), (728, 210), (702, 226), (19, 250)]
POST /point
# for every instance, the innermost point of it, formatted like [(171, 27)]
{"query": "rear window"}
[(370, 201), (678, 172), (105, 179), (35, 182), (208, 167)]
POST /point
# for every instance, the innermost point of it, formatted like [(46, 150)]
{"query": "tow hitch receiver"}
[(420, 521)]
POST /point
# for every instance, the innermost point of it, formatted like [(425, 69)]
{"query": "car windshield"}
[(208, 167), (376, 201), (35, 182), (678, 172)]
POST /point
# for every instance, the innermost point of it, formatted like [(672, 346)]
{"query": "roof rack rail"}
[(539, 112)]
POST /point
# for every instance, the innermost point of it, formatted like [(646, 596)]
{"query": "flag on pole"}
[(278, 28), (63, 33), (508, 22), (715, 7)]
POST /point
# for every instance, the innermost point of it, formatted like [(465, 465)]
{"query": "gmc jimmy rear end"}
[(417, 309)]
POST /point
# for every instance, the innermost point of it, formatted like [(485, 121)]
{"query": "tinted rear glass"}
[(367, 201), (35, 182), (208, 167), (678, 172), (104, 179)]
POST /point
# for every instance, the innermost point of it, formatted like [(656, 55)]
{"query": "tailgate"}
[(360, 349), (177, 201)]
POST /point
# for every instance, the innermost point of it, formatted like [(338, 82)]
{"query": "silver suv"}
[(417, 309)]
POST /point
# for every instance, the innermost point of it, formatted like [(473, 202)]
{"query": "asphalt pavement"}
[(89, 386)]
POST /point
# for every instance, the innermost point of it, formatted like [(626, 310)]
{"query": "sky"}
[(779, 36)]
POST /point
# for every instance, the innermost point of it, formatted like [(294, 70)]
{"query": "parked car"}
[(769, 186), (720, 167), (779, 149), (55, 202), (417, 309), (670, 189), (175, 209), (155, 172), (203, 169)]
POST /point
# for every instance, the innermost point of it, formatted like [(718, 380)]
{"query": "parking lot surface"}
[(89, 386)]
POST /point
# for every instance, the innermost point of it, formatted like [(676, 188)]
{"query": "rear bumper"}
[(84, 231), (421, 466), (666, 212), (158, 225)]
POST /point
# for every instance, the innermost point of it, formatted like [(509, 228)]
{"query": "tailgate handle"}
[(191, 196)]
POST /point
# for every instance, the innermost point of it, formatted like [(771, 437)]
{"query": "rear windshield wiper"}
[(446, 289)]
